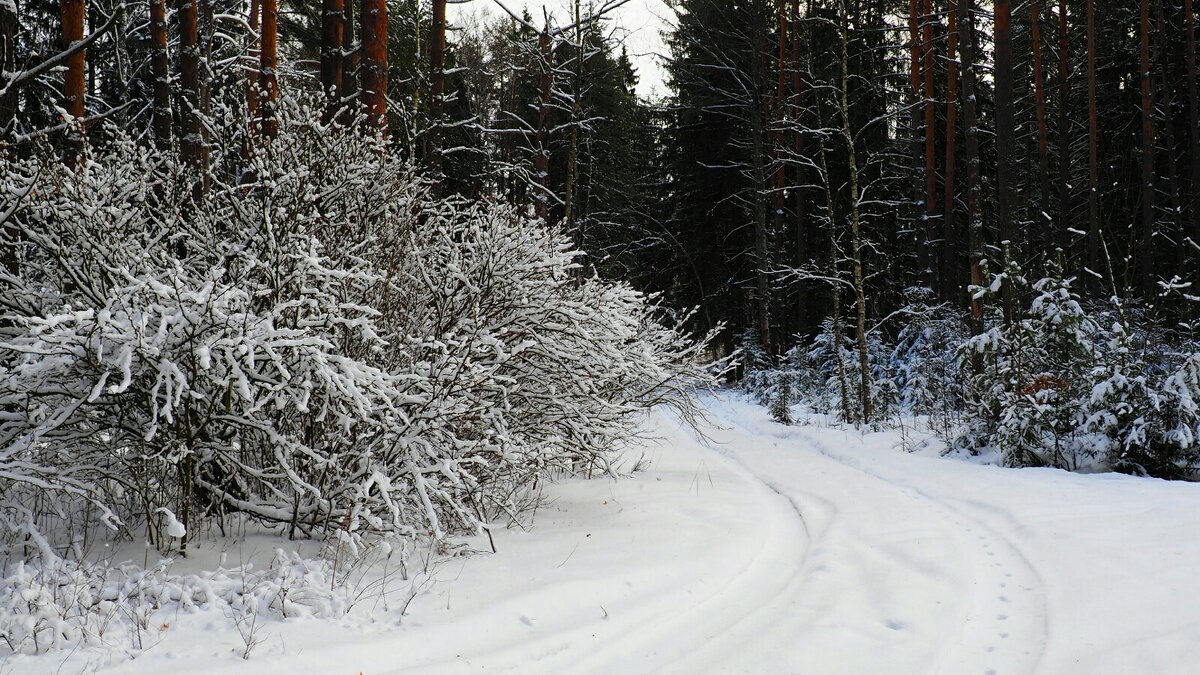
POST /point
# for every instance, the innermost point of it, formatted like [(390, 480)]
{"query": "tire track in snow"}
[(1008, 617)]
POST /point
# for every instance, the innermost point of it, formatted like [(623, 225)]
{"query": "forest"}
[(370, 274)]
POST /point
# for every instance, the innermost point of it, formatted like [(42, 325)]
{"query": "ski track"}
[(778, 549), (906, 583)]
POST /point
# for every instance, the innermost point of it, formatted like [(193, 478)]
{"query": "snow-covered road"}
[(787, 550)]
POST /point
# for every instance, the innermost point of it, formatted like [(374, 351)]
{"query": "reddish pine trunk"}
[(1147, 248), (1193, 117), (1005, 124), (268, 63), (1064, 131), (949, 231), (333, 29), (1042, 236), (73, 12), (191, 142), (160, 71), (966, 38), (1093, 245), (254, 52), (927, 56), (373, 63), (73, 16)]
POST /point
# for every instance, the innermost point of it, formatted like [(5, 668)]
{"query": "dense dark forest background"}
[(887, 145), (835, 170)]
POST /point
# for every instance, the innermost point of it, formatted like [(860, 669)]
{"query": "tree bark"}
[(74, 93), (541, 160), (191, 142), (1169, 221), (254, 52), (860, 297), (10, 27), (333, 34), (914, 83), (778, 165), (799, 182), (350, 61), (1147, 253), (1064, 126), (1093, 242), (950, 276), (268, 64), (966, 38), (927, 61), (437, 82), (1005, 144), (160, 71), (1193, 118), (1043, 237), (373, 75)]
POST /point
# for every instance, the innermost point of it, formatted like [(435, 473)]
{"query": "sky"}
[(639, 22)]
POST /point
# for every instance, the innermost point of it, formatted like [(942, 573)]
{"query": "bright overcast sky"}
[(639, 22)]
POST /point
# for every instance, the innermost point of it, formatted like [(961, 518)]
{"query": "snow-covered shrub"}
[(1077, 388), (834, 377), (313, 342), (1029, 392), (1143, 404), (926, 368), (50, 604)]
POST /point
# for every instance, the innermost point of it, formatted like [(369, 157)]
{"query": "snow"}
[(174, 527), (774, 549)]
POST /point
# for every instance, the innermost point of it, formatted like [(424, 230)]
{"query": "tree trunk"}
[(914, 83), (799, 205), (966, 39), (373, 75), (1005, 144), (9, 29), (268, 61), (927, 60), (160, 71), (573, 149), (333, 34), (1169, 223), (73, 15), (778, 166), (834, 273), (1147, 253), (1194, 119), (1043, 237), (761, 252), (860, 298), (949, 231), (541, 160), (1093, 242), (350, 61), (1064, 126), (253, 52), (191, 142), (437, 85)]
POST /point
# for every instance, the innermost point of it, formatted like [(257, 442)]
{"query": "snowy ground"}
[(777, 550)]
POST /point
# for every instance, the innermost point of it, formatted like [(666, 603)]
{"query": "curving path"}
[(777, 549)]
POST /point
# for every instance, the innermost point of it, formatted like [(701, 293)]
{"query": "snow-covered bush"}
[(833, 376), (926, 368), (308, 340), (1067, 386)]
